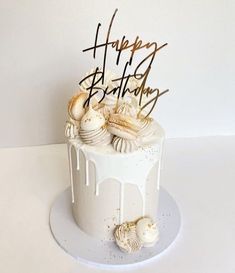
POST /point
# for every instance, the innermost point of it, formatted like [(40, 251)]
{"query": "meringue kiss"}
[(92, 120)]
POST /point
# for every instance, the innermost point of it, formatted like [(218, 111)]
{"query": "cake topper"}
[(147, 97)]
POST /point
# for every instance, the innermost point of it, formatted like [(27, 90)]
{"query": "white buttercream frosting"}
[(147, 231), (124, 145), (71, 129), (92, 120)]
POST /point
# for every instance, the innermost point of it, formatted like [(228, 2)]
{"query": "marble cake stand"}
[(106, 254)]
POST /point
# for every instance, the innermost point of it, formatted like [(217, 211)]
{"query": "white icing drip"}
[(70, 146), (77, 163), (97, 191), (77, 145), (145, 158), (141, 188)]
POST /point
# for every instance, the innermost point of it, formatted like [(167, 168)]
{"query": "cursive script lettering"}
[(141, 71)]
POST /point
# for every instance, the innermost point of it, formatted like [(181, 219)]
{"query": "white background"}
[(41, 62)]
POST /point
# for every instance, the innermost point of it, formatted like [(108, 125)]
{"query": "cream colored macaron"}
[(123, 126), (75, 106)]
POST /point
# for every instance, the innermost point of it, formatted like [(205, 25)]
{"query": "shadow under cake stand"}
[(96, 252)]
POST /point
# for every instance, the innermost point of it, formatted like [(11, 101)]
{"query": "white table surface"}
[(199, 173)]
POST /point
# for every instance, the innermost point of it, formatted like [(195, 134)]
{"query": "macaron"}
[(123, 126), (75, 106)]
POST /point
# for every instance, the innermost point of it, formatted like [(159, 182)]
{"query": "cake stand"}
[(96, 252)]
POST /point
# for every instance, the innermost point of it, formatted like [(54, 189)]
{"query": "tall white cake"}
[(115, 162)]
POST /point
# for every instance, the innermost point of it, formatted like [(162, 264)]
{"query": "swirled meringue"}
[(109, 80), (148, 130), (122, 145), (110, 101), (92, 120), (133, 83), (147, 231), (99, 136), (147, 127), (127, 109), (126, 238), (93, 130)]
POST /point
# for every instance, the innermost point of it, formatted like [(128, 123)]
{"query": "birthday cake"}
[(115, 151)]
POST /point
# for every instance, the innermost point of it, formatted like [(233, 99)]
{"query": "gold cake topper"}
[(140, 73)]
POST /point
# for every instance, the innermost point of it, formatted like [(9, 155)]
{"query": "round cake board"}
[(89, 250)]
